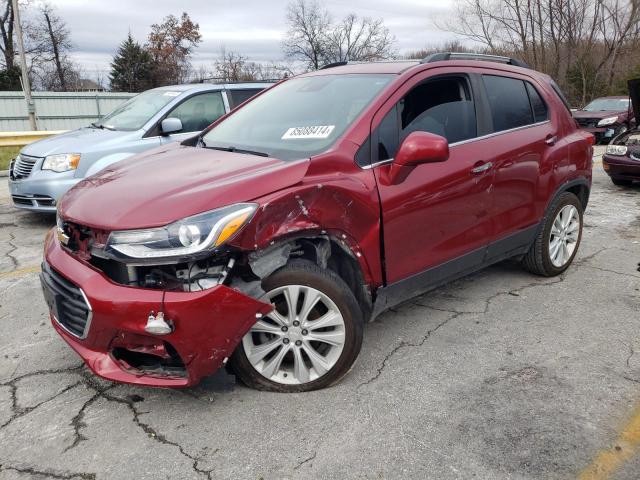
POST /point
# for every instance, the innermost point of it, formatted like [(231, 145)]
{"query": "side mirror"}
[(171, 125), (416, 149)]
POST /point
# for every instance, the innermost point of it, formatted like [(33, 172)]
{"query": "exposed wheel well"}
[(325, 251), (582, 192), (340, 260)]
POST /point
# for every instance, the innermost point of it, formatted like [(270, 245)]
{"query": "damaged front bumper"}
[(104, 323)]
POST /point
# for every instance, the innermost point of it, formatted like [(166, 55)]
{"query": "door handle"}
[(551, 140), (481, 168)]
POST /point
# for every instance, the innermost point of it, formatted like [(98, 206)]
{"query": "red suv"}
[(271, 238)]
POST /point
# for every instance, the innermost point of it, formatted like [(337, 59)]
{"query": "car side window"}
[(443, 106), (509, 102), (198, 112), (540, 111), (236, 97)]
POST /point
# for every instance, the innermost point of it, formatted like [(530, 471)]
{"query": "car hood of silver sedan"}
[(82, 140)]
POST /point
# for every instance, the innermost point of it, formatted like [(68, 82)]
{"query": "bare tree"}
[(309, 29), (578, 42), (314, 38), (50, 42), (234, 67), (359, 39), (59, 42)]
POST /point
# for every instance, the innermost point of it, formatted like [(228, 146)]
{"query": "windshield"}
[(299, 118), (134, 113), (611, 104)]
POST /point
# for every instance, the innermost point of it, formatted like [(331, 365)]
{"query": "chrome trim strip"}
[(463, 142)]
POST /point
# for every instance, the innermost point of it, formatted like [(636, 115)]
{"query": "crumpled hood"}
[(77, 141), (174, 182)]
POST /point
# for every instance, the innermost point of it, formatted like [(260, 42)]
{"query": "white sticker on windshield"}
[(171, 94), (320, 131)]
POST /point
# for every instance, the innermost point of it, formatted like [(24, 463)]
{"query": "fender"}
[(107, 160)]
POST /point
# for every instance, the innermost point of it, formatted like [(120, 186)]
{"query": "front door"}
[(436, 222), (196, 113)]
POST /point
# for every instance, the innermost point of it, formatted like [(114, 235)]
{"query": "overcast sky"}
[(253, 28)]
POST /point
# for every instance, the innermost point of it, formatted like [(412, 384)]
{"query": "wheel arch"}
[(331, 250)]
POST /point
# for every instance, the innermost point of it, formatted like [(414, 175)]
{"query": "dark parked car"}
[(606, 117), (622, 158), (271, 238)]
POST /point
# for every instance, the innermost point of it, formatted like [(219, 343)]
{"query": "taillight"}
[(591, 140)]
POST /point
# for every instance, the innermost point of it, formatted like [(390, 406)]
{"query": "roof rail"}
[(443, 56), (334, 64)]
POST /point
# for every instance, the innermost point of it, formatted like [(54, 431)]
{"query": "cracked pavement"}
[(499, 375)]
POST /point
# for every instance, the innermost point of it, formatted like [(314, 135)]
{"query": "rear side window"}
[(509, 102), (540, 112), (236, 97)]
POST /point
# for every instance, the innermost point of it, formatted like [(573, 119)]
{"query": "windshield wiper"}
[(102, 127), (238, 150)]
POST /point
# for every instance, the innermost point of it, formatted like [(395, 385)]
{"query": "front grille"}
[(33, 200), (66, 301), (588, 122), (22, 166), (635, 156)]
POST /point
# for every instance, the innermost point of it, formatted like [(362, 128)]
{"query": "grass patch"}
[(6, 155)]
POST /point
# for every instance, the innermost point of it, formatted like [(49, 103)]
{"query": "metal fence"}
[(57, 110)]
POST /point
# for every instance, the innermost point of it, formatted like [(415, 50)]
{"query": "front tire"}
[(557, 242), (312, 337)]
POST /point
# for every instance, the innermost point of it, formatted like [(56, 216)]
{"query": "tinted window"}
[(236, 97), (540, 113), (442, 106), (509, 102), (198, 112), (388, 135)]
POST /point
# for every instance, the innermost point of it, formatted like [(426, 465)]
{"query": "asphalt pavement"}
[(499, 375)]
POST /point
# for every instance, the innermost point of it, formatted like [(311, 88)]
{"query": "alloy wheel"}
[(565, 232), (300, 340)]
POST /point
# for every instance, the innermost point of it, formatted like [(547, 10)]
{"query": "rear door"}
[(526, 144), (439, 215), (237, 96)]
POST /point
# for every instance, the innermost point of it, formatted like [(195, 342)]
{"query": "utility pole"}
[(31, 107)]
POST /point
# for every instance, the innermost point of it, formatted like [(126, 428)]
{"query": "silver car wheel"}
[(565, 232), (300, 340)]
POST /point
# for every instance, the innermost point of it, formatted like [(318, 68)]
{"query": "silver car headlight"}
[(607, 121), (616, 149), (187, 237), (62, 162)]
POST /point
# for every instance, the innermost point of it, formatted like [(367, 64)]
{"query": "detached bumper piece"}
[(206, 325)]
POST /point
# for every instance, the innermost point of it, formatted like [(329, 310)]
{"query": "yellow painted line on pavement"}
[(609, 460), (19, 272)]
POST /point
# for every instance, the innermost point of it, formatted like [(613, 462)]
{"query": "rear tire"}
[(557, 242), (302, 355)]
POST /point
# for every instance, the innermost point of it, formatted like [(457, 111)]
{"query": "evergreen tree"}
[(10, 79), (131, 68)]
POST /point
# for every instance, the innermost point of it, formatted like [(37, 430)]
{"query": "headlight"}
[(607, 121), (61, 162), (192, 235), (616, 149)]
